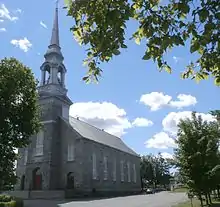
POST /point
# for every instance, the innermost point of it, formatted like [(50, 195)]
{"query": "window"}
[(40, 143), (114, 170), (105, 168), (129, 173), (94, 173), (122, 171), (25, 156), (134, 173), (70, 152)]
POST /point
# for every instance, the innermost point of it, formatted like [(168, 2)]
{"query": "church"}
[(67, 153)]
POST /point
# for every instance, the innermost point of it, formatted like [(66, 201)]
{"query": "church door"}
[(38, 182), (37, 179), (70, 180)]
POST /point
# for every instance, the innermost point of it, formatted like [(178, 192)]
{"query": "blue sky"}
[(131, 95)]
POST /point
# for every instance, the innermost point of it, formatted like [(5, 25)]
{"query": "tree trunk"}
[(142, 186), (201, 201), (218, 191), (206, 199), (210, 199)]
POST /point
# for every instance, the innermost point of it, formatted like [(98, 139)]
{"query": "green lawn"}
[(196, 203), (179, 190)]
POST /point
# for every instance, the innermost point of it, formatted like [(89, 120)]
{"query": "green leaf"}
[(194, 47), (147, 56), (137, 40), (217, 81), (116, 52), (168, 69), (203, 15)]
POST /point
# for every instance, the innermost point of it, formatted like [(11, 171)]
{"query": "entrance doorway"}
[(37, 179), (70, 180)]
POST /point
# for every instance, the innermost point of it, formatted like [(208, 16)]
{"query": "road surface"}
[(163, 199)]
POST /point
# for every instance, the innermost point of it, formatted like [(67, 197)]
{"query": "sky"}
[(132, 100)]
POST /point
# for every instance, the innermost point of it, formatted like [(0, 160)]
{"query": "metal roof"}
[(98, 135)]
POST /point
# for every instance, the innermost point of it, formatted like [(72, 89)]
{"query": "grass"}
[(196, 203), (179, 190)]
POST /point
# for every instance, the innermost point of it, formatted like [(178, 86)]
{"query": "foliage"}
[(19, 115), (101, 25), (197, 154), (155, 170), (9, 201)]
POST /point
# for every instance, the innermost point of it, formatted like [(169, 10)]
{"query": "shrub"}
[(10, 201), (5, 198)]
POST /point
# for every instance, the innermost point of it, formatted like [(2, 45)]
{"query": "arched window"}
[(40, 144), (105, 168), (129, 173), (114, 170), (25, 156), (47, 71), (122, 170), (134, 173), (94, 171), (70, 151)]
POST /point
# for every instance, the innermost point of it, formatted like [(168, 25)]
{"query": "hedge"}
[(10, 201)]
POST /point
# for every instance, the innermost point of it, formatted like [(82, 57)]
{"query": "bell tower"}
[(53, 71), (39, 166)]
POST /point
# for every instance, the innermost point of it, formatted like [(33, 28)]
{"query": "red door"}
[(38, 182)]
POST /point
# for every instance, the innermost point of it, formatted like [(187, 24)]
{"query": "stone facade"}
[(44, 164)]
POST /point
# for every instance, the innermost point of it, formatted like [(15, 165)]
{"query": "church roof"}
[(97, 135)]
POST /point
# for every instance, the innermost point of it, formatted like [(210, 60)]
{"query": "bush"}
[(5, 198), (10, 201)]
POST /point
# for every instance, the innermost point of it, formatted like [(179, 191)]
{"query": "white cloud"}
[(2, 30), (23, 44), (1, 20), (171, 121), (155, 100), (176, 59), (103, 115), (142, 122), (184, 101), (160, 140), (43, 24), (5, 14), (167, 155), (18, 10)]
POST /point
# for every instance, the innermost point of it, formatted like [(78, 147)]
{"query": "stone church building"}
[(68, 153)]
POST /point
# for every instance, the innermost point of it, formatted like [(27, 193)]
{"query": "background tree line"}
[(155, 171)]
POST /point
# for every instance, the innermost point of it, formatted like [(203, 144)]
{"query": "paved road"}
[(163, 199)]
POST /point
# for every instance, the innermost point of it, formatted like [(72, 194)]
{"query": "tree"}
[(216, 113), (19, 115), (155, 170), (197, 154), (101, 25)]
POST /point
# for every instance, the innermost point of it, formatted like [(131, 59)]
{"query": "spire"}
[(55, 32)]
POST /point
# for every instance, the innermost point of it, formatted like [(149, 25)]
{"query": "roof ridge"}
[(94, 127)]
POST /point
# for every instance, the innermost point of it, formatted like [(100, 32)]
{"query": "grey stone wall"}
[(74, 166), (50, 162), (108, 185)]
